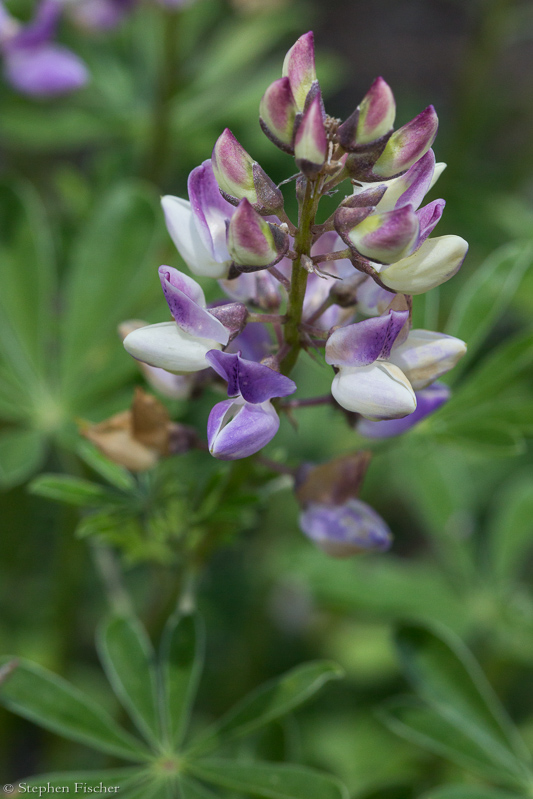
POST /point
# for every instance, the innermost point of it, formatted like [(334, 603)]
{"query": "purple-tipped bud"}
[(239, 176), (253, 243), (371, 120), (299, 68), (344, 530), (384, 237), (407, 144), (277, 114), (311, 144)]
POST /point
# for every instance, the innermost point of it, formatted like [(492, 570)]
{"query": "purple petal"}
[(255, 382), (372, 300), (44, 71), (189, 315), (101, 14), (233, 167), (236, 429), (343, 530), (254, 342), (428, 401), (428, 218), (259, 288), (210, 209), (417, 180), (43, 26), (364, 342)]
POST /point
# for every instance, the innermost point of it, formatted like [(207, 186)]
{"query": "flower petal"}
[(255, 382), (425, 355), (299, 67), (378, 391), (436, 261), (237, 429), (427, 402), (191, 317), (170, 348), (45, 70), (183, 231), (364, 342), (344, 530), (210, 209)]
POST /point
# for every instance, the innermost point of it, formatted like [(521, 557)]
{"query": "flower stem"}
[(302, 246)]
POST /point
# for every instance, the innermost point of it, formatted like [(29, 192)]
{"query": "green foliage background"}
[(81, 237)]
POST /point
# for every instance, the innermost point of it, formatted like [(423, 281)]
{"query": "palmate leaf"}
[(112, 278), (129, 662), (456, 742), (190, 789), (268, 703), (268, 780), (510, 527), (182, 659), (21, 453), (486, 296), (71, 490), (445, 674), (56, 705)]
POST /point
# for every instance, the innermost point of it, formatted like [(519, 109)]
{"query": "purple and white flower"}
[(380, 365), (245, 423), (347, 529), (428, 400), (33, 63), (181, 346)]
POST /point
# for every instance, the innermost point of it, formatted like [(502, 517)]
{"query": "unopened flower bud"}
[(299, 68), (407, 144), (371, 120), (334, 482), (239, 176), (384, 237), (311, 144), (345, 530), (253, 243), (277, 114), (425, 356)]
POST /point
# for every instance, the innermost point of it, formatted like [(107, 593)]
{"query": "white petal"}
[(436, 261), (378, 391), (183, 232), (425, 355), (440, 166), (167, 346)]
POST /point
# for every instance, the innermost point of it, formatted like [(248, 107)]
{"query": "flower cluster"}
[(344, 284), (33, 63)]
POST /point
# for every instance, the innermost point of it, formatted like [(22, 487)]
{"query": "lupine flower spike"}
[(344, 286)]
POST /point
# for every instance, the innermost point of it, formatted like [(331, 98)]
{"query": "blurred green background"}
[(82, 237)]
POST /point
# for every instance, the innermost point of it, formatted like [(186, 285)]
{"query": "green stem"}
[(302, 246), (168, 83), (109, 571)]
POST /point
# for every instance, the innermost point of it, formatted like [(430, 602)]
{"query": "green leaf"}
[(27, 277), (489, 438), (470, 792), (129, 662), (190, 789), (114, 777), (486, 296), (71, 490), (117, 475), (510, 527), (28, 127), (21, 454), (182, 657), (429, 729), (445, 674), (111, 278), (269, 703), (269, 780), (55, 704)]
